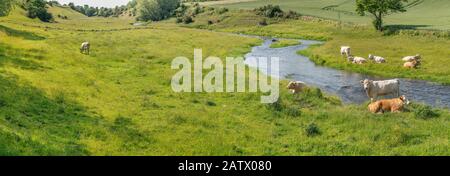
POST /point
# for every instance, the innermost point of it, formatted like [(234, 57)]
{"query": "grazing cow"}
[(411, 64), (85, 47), (412, 58), (377, 59), (389, 105), (345, 50), (296, 86), (356, 59), (380, 88)]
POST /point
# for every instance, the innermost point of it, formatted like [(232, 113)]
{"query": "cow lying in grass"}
[(411, 64), (417, 57), (388, 105), (356, 59), (377, 59), (296, 86), (380, 88)]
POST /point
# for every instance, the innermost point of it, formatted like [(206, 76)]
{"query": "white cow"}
[(357, 60), (380, 88), (417, 57), (296, 86), (345, 50), (85, 47), (377, 59)]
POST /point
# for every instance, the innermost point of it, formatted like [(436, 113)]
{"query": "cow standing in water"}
[(85, 46)]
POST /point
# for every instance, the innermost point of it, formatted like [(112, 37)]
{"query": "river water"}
[(346, 85)]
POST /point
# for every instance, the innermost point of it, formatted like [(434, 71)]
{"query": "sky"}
[(96, 3)]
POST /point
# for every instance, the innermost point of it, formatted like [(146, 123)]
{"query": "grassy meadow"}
[(421, 14), (118, 99)]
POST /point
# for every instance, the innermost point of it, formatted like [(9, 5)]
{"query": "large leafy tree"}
[(5, 6), (379, 9)]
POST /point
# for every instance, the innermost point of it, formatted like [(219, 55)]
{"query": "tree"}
[(379, 9), (37, 8), (156, 10), (5, 7)]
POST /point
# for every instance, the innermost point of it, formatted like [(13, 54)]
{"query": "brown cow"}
[(389, 105), (412, 64)]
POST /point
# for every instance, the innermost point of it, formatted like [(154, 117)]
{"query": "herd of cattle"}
[(372, 88), (410, 61)]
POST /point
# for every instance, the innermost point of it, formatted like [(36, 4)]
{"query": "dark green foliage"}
[(270, 11), (425, 112), (263, 22), (274, 11), (37, 9), (5, 7), (312, 130), (101, 12), (156, 10)]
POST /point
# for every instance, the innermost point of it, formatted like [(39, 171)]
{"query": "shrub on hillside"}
[(425, 112), (37, 9), (274, 11), (312, 130), (5, 7), (156, 10), (270, 11)]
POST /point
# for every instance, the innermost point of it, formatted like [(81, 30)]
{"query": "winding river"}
[(344, 84)]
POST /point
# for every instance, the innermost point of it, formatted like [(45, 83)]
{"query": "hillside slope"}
[(422, 14)]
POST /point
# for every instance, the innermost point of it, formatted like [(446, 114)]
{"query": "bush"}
[(222, 10), (187, 19), (37, 9), (274, 11), (276, 106), (156, 10), (425, 112), (293, 111), (312, 130), (270, 11)]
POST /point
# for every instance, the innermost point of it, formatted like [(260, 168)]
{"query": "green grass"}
[(118, 100), (284, 43), (426, 14)]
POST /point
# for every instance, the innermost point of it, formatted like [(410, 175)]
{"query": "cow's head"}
[(350, 58), (366, 84), (371, 57), (292, 85), (404, 100)]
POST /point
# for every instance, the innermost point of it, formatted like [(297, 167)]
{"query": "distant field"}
[(421, 14)]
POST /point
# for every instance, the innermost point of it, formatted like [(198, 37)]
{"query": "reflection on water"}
[(344, 84)]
